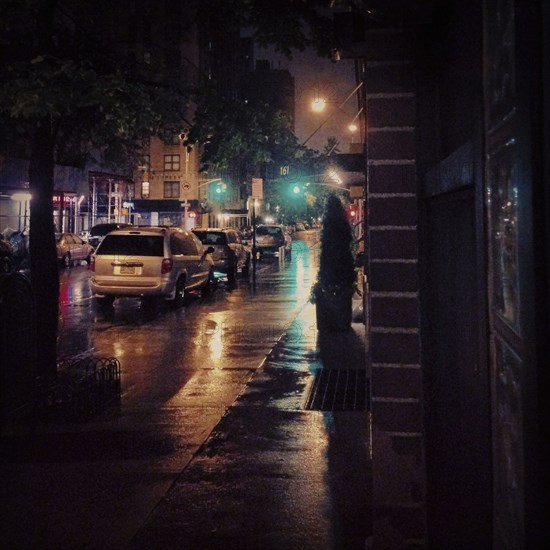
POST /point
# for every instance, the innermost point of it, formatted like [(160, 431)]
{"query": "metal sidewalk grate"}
[(338, 390)]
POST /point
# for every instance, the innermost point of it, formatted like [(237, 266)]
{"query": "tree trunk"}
[(44, 268)]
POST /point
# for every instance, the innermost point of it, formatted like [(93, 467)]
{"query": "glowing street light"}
[(352, 127), (318, 104)]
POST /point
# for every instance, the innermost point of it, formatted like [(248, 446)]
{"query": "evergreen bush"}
[(336, 275)]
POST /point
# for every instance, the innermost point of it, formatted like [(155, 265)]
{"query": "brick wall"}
[(394, 355)]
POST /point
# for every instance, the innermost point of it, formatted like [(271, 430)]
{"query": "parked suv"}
[(151, 261), (270, 239), (231, 253), (98, 232)]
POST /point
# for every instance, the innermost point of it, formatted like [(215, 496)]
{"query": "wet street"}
[(94, 484), (205, 351), (209, 442)]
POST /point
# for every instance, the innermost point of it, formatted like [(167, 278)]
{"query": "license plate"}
[(127, 270)]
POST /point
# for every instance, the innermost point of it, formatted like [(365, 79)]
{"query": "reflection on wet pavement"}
[(271, 473)]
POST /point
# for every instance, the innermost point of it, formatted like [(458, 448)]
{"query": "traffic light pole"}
[(254, 243)]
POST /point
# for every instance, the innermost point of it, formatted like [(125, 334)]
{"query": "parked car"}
[(98, 232), (231, 253), (270, 239), (71, 249), (151, 262)]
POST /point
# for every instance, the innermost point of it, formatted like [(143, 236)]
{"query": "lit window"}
[(171, 162), (145, 190)]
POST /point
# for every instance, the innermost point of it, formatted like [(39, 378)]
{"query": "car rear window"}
[(211, 237), (268, 230), (132, 245)]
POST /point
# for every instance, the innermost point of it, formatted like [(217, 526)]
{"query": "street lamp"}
[(333, 113), (318, 104)]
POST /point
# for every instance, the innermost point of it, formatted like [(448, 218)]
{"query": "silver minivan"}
[(151, 261)]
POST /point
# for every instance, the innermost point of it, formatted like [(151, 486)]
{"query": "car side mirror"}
[(209, 250)]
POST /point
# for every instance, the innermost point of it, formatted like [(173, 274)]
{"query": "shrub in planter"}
[(336, 278)]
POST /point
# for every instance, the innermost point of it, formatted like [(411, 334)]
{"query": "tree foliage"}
[(93, 102), (285, 25), (241, 132), (239, 137), (68, 94), (65, 92)]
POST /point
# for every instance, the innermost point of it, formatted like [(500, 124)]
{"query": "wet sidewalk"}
[(273, 474), (214, 446)]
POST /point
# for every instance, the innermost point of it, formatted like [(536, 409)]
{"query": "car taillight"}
[(92, 263), (166, 266)]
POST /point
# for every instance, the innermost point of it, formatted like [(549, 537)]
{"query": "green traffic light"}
[(296, 189)]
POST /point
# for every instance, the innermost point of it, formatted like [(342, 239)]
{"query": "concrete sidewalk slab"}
[(273, 475)]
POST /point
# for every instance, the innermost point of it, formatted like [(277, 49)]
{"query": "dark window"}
[(176, 244), (132, 245), (171, 189), (189, 246)]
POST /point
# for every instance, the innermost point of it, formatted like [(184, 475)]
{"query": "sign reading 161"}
[(284, 170)]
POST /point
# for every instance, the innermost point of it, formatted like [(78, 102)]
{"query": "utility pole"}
[(257, 193)]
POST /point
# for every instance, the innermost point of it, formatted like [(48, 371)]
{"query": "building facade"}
[(457, 266)]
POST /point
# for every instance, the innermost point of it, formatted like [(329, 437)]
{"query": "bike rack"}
[(82, 389)]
